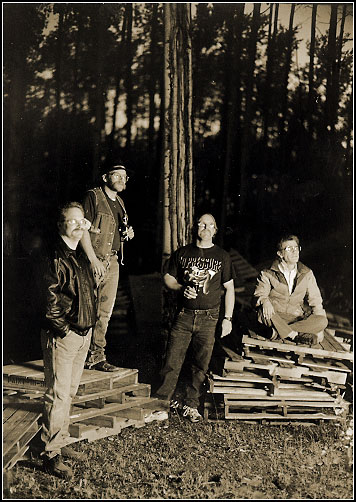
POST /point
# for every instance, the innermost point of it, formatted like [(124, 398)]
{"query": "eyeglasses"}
[(292, 248), (119, 176), (76, 222), (206, 225)]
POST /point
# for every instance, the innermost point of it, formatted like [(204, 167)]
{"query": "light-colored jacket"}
[(272, 284)]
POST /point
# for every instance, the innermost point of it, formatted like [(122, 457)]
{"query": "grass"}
[(210, 460)]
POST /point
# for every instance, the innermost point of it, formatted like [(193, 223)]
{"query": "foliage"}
[(61, 81)]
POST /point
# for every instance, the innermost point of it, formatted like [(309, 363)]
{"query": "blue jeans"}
[(107, 290), (64, 360), (195, 327)]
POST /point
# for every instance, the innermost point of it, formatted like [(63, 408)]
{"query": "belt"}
[(199, 311)]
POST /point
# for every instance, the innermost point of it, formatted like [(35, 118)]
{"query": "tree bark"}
[(178, 163), (311, 93), (99, 90), (286, 77), (128, 79)]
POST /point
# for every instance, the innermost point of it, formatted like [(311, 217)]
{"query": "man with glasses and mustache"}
[(68, 313), (287, 298), (199, 272), (104, 246)]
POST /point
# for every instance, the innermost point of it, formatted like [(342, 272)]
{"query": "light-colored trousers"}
[(107, 291), (63, 360)]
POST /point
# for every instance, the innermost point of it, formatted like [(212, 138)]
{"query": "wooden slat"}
[(293, 395), (298, 349), (275, 416), (17, 426), (327, 365), (256, 403), (78, 415)]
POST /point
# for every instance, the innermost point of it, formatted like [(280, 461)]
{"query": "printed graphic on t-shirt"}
[(198, 272)]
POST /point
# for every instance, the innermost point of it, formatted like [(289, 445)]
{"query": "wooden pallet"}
[(284, 408), (105, 404), (30, 376), (20, 425), (330, 348)]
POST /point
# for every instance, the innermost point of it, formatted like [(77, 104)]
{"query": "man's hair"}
[(285, 238), (64, 208)]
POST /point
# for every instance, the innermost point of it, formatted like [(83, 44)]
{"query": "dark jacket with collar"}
[(67, 290), (305, 295)]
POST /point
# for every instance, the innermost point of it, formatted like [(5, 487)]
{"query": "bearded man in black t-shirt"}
[(198, 272)]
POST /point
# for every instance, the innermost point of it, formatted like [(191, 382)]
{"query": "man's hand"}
[(128, 234), (190, 293), (98, 268), (267, 311), (226, 327)]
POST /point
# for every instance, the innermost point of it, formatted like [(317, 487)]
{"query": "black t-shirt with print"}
[(206, 269)]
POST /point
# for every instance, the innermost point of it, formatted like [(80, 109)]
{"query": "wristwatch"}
[(228, 318)]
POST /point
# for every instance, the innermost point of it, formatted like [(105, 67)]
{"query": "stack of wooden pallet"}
[(282, 381), (104, 405)]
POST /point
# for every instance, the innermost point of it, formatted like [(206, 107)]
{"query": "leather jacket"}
[(68, 291)]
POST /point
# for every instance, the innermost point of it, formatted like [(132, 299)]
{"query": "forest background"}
[(272, 121)]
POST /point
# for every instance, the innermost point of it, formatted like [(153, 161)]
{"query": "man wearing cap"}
[(104, 246)]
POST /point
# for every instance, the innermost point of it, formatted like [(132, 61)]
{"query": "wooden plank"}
[(101, 421), (330, 337), (294, 394), (134, 413), (78, 415), (16, 427), (325, 364), (233, 355), (271, 357), (251, 403), (234, 365), (245, 376), (298, 349), (275, 416)]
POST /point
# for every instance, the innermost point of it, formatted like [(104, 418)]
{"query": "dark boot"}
[(56, 467)]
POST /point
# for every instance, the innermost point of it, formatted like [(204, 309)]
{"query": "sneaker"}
[(175, 405), (69, 452), (309, 338), (156, 415), (103, 366), (56, 467), (192, 414)]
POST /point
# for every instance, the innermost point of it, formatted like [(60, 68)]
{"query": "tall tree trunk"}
[(99, 90), (59, 181), (178, 163), (286, 77), (233, 125), (152, 83), (177, 180), (248, 133), (272, 33), (120, 47), (311, 92), (331, 92), (128, 79)]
